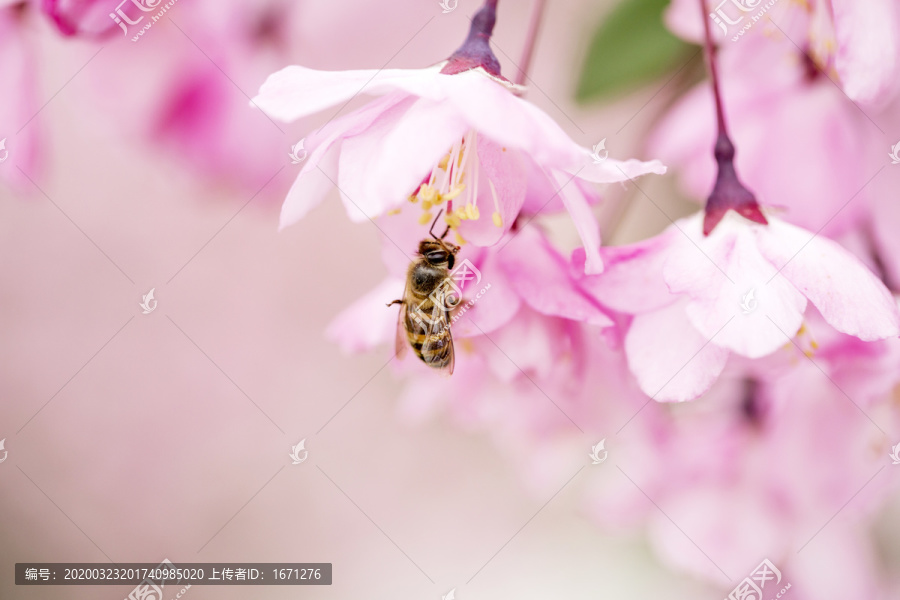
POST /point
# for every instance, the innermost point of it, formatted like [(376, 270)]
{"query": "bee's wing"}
[(400, 339), (452, 349), (440, 322), (447, 322)]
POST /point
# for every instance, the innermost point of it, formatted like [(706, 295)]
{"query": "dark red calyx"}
[(729, 193), (476, 50)]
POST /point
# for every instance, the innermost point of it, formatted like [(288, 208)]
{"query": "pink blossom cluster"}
[(773, 312)]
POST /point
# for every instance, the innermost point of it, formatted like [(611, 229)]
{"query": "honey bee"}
[(428, 298)]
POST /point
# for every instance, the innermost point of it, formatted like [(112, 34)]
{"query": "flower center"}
[(455, 178), (821, 46), (805, 342)]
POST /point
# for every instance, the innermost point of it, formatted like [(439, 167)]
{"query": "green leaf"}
[(631, 47)]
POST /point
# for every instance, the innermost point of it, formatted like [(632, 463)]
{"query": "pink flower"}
[(885, 210), (781, 443), (455, 132), (18, 65), (743, 290), (719, 273), (777, 104), (856, 41), (867, 59), (198, 108), (89, 17)]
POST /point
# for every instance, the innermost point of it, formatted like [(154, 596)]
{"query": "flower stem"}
[(537, 15), (728, 192), (710, 50)]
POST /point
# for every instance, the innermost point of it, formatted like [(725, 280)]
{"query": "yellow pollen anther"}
[(456, 191), (413, 198), (394, 211), (444, 162), (426, 205), (428, 193), (498, 220), (472, 212), (452, 220), (459, 239), (425, 218)]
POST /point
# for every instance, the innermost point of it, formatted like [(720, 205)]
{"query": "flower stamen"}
[(498, 220), (455, 176)]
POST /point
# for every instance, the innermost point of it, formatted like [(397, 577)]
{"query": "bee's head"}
[(438, 252)]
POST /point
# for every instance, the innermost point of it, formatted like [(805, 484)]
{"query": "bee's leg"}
[(394, 302)]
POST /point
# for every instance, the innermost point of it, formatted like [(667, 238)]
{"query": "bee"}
[(428, 298)]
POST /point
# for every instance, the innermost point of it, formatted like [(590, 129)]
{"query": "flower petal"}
[(850, 298), (583, 218), (505, 169), (733, 295), (353, 123), (868, 53), (671, 360), (309, 188), (541, 196), (296, 91), (632, 279), (494, 111), (533, 344), (614, 171), (540, 277), (488, 303), (320, 168), (368, 323), (403, 155)]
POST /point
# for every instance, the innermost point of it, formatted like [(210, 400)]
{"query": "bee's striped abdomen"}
[(431, 343)]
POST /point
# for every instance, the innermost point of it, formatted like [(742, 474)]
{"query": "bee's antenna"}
[(431, 230)]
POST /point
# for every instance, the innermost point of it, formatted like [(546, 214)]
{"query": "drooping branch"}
[(728, 192), (537, 15)]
